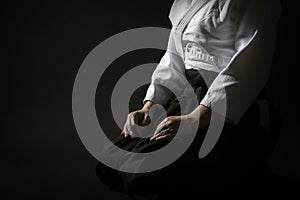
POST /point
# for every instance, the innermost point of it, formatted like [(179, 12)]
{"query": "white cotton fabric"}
[(234, 39)]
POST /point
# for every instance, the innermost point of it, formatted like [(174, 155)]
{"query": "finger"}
[(132, 120), (131, 134), (126, 132), (162, 137), (146, 120), (123, 133), (161, 127), (132, 130), (127, 127), (161, 133)]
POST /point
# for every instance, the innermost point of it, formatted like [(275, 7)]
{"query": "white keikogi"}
[(234, 39)]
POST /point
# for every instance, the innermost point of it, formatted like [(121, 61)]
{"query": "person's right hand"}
[(134, 121)]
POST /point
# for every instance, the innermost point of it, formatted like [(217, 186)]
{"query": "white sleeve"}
[(168, 77), (156, 92), (245, 76)]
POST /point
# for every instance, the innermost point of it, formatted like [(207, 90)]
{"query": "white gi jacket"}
[(235, 39)]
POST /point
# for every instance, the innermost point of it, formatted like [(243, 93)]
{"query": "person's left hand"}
[(169, 127)]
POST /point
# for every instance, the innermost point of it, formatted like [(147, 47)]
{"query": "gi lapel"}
[(179, 28)]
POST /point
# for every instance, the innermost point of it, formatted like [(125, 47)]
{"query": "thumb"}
[(146, 120)]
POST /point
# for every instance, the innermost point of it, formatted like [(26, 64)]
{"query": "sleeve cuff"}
[(221, 108), (157, 94)]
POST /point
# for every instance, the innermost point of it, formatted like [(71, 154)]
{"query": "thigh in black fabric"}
[(229, 159)]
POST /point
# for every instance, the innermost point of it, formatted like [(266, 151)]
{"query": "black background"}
[(43, 45)]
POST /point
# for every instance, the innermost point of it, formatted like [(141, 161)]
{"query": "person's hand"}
[(167, 128), (170, 125), (135, 120)]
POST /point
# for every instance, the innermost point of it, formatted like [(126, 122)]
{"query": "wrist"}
[(191, 117), (147, 105), (201, 113)]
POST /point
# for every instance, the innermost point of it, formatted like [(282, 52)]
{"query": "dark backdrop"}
[(43, 45)]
